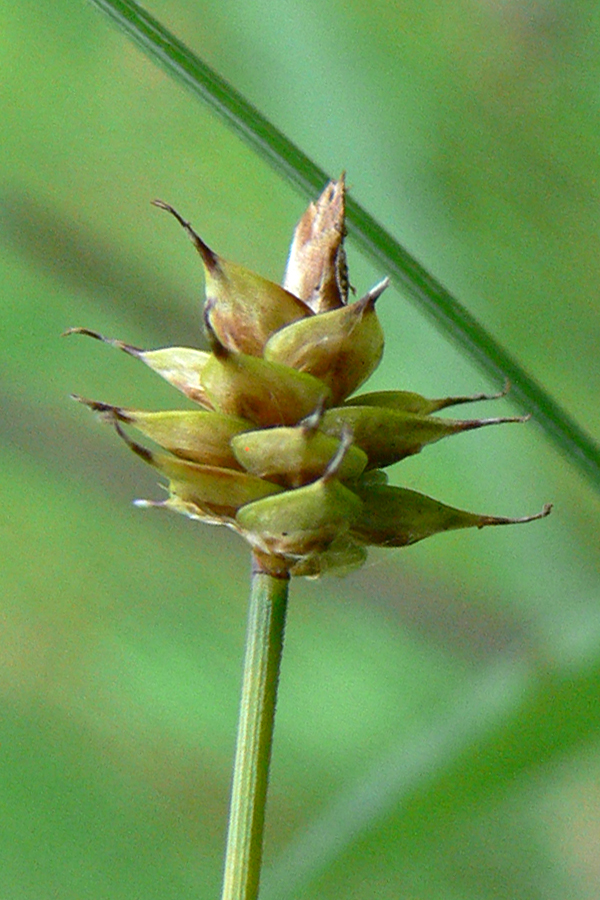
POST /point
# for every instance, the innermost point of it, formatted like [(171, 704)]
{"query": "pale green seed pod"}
[(216, 492), (397, 517), (180, 366), (267, 393), (316, 269), (389, 435), (294, 456), (243, 308), (341, 348), (408, 401), (309, 520), (202, 437), (300, 522)]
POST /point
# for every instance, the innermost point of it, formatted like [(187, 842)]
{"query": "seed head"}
[(281, 450)]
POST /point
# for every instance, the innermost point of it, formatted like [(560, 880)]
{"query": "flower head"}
[(280, 449)]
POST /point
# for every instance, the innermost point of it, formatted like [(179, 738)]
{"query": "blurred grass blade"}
[(288, 159), (408, 769), (501, 729)]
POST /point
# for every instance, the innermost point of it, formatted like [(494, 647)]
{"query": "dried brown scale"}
[(272, 453), (316, 270)]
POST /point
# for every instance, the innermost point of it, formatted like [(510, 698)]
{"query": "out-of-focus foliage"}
[(438, 720)]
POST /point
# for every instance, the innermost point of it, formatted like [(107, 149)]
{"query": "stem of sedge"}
[(264, 646)]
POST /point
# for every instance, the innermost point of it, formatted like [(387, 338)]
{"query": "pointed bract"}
[(180, 366), (408, 401), (218, 490), (198, 436)]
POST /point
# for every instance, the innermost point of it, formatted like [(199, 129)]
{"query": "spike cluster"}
[(280, 450)]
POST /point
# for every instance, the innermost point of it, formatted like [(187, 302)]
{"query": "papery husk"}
[(316, 270)]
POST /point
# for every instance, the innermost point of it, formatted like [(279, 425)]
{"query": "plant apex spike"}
[(375, 293), (503, 520), (209, 257), (113, 342)]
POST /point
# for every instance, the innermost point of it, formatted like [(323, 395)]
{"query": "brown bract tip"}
[(502, 520), (218, 349), (141, 451), (113, 342), (469, 424), (209, 257), (107, 411)]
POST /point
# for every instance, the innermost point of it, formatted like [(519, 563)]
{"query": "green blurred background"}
[(438, 729)]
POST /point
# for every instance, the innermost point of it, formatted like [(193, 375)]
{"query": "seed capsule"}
[(316, 268), (389, 435), (202, 437), (407, 401), (266, 393), (306, 520), (294, 456), (397, 517), (303, 521), (180, 366), (243, 308), (342, 347), (213, 490)]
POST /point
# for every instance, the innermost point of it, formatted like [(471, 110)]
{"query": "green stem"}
[(264, 646)]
